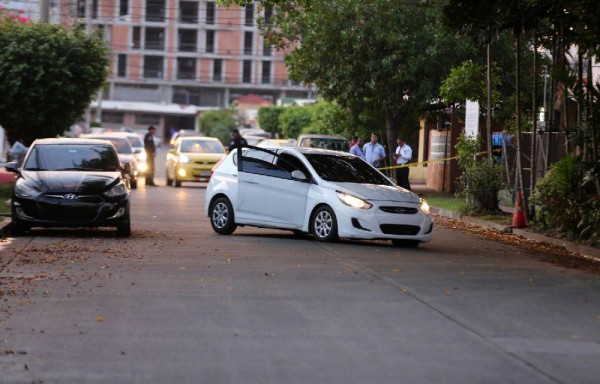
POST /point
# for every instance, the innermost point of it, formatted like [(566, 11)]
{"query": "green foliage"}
[(6, 190), (468, 81), (218, 124), (48, 77), (268, 118), (566, 200), (480, 181), (294, 120)]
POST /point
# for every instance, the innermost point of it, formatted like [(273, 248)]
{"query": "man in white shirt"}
[(374, 152), (357, 148), (402, 156)]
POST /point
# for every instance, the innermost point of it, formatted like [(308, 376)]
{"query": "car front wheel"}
[(324, 224), (221, 216), (406, 243)]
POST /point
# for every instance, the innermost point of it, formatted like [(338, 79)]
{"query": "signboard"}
[(472, 118)]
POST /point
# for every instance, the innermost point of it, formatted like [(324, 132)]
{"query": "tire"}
[(133, 184), (221, 216), (406, 243), (17, 228), (323, 224), (169, 181), (177, 183), (124, 227)]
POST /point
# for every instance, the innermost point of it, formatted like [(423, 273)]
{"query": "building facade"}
[(173, 59)]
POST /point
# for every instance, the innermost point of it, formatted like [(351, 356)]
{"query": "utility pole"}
[(45, 11)]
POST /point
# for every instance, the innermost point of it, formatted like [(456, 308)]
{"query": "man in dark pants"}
[(402, 156), (150, 154)]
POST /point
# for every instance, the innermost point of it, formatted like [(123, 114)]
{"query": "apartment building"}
[(173, 59)]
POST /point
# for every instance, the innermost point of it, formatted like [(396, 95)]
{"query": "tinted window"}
[(258, 162), (121, 144), (345, 169), (85, 157), (201, 146), (135, 141), (326, 143)]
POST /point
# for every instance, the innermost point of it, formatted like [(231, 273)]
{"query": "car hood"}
[(75, 181), (204, 156), (377, 192)]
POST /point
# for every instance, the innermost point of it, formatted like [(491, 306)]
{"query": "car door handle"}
[(250, 182)]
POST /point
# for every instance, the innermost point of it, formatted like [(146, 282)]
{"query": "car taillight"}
[(217, 165)]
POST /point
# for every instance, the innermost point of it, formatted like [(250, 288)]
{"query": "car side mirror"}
[(13, 166), (127, 168), (298, 175)]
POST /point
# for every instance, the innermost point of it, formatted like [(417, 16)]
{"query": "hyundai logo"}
[(71, 196)]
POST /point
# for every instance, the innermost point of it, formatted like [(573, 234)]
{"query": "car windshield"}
[(135, 141), (326, 143), (80, 157), (345, 169), (201, 146), (121, 145)]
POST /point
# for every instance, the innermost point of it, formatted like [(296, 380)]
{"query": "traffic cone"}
[(519, 220)]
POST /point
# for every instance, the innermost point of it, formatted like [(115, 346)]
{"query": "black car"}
[(71, 183)]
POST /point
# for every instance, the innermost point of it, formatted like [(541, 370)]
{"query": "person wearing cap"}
[(150, 155)]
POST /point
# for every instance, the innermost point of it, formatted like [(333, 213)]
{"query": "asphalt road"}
[(177, 303)]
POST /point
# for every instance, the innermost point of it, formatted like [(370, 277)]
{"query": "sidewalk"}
[(589, 252)]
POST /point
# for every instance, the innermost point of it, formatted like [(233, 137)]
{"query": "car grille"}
[(400, 229), (209, 163), (53, 208), (59, 213), (401, 210)]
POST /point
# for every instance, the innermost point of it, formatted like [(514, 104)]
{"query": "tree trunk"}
[(532, 179), (488, 117), (519, 170)]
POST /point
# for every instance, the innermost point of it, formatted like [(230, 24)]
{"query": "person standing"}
[(150, 147), (374, 152), (356, 149), (236, 140), (402, 156), (18, 152)]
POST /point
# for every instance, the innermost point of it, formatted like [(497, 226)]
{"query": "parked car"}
[(328, 194), (192, 159), (274, 143), (71, 183), (124, 149), (336, 143), (139, 151), (183, 133)]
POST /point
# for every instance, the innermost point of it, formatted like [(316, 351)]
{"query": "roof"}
[(67, 141), (139, 106)]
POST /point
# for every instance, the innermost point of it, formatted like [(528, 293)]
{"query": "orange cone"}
[(519, 220)]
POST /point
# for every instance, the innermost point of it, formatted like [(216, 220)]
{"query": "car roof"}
[(308, 151), (315, 135), (67, 141)]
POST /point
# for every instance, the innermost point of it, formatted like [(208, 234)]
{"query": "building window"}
[(268, 15), (266, 72), (248, 37), (218, 70), (210, 12), (188, 40), (247, 71), (113, 117), (147, 119), (249, 15), (188, 12), (136, 38), (153, 67), (210, 41), (81, 9), (121, 65), (123, 7), (186, 68), (155, 39), (94, 9), (267, 49), (155, 10)]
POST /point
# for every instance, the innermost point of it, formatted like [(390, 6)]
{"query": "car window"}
[(85, 157), (290, 163), (345, 169), (258, 162), (121, 144), (135, 141), (201, 146), (326, 143)]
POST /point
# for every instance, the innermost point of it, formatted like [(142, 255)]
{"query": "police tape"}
[(431, 161)]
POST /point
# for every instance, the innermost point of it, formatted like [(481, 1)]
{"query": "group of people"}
[(374, 154)]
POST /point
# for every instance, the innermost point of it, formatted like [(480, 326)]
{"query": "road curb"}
[(582, 250)]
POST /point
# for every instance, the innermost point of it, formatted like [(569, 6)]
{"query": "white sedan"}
[(328, 194)]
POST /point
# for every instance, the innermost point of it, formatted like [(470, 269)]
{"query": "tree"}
[(48, 77), (383, 56), (218, 124), (268, 118), (294, 120)]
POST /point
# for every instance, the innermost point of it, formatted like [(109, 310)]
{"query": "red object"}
[(519, 220)]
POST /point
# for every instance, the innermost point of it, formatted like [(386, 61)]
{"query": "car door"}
[(268, 195)]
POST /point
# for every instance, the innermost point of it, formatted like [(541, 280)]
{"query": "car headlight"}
[(353, 201), (24, 189), (425, 206), (183, 159), (117, 190), (142, 156)]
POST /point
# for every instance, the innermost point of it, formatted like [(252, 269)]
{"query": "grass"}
[(453, 204), (5, 192)]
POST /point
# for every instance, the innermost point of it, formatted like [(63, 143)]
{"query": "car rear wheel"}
[(406, 243), (221, 216), (324, 224)]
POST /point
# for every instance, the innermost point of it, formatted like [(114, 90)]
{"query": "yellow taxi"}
[(191, 159)]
